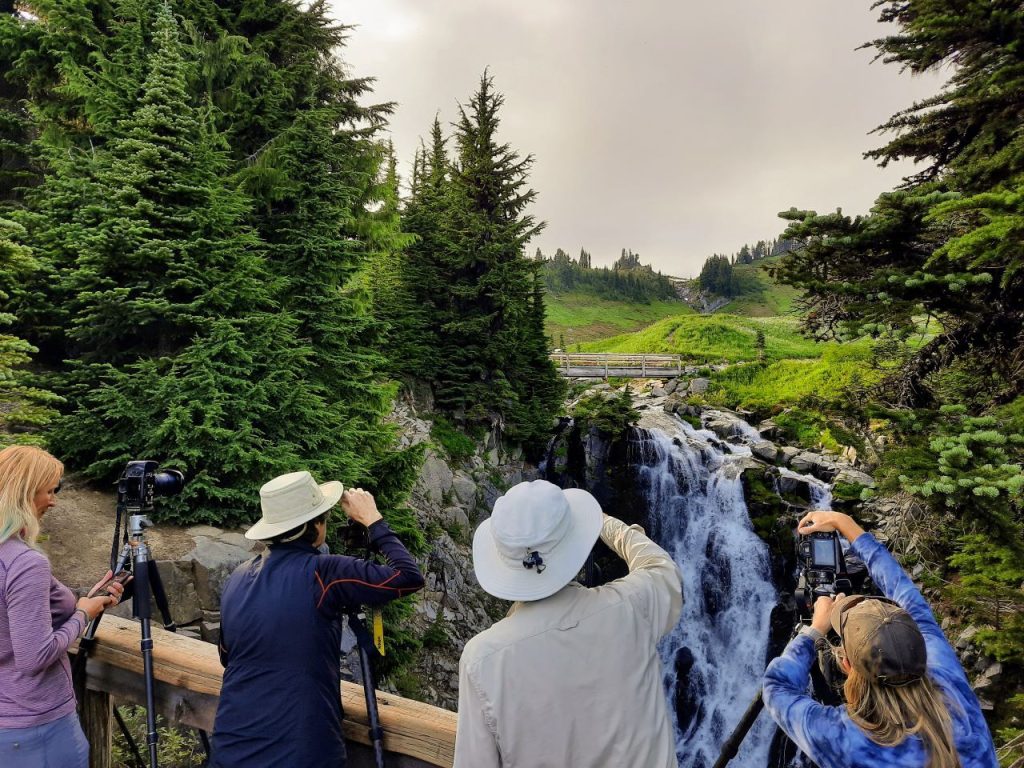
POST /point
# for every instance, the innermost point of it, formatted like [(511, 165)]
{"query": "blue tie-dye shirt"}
[(828, 736)]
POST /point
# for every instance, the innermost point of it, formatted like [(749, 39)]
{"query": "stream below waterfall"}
[(716, 655)]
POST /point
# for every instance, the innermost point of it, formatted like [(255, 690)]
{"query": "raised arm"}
[(347, 580), (653, 576)]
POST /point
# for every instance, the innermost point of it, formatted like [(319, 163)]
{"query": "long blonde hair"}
[(24, 469), (889, 714)]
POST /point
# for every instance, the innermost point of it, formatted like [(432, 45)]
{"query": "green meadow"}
[(574, 318)]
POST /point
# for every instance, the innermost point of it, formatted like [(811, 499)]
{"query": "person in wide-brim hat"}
[(564, 646), (280, 630), (291, 500), (536, 540)]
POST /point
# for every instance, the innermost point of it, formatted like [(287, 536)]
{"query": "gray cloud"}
[(676, 129)]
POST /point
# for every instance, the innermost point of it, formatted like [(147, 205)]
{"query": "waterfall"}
[(715, 657)]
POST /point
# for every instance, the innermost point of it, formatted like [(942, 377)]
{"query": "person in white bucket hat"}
[(571, 677), (280, 703)]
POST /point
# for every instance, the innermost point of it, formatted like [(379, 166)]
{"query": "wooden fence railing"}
[(603, 365), (187, 675)]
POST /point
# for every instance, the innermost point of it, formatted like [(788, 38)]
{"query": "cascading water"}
[(715, 657)]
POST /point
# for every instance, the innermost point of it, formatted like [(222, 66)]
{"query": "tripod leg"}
[(365, 644), (160, 596), (139, 762), (732, 745), (85, 645), (141, 607)]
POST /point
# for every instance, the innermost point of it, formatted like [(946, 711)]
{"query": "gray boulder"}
[(788, 453), (212, 561), (435, 479), (699, 386), (853, 476), (766, 450), (465, 489)]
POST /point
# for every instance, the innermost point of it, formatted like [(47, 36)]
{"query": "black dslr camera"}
[(142, 481), (823, 566)]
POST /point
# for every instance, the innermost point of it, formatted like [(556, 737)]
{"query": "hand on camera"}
[(819, 520), (360, 506), (827, 521), (822, 618)]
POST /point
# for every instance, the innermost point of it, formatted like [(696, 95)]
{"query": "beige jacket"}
[(574, 680)]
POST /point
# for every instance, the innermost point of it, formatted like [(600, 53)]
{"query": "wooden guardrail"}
[(603, 365), (187, 675)]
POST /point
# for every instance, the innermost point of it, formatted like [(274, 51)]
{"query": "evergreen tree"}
[(24, 407), (948, 243), (493, 362), (716, 276), (426, 216), (16, 167)]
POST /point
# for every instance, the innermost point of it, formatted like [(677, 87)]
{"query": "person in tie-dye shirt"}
[(908, 701)]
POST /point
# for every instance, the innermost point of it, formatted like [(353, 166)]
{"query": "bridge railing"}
[(607, 364), (187, 676)]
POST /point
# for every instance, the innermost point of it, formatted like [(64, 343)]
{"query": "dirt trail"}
[(77, 533)]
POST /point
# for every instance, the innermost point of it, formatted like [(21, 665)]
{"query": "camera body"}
[(823, 565), (142, 481)]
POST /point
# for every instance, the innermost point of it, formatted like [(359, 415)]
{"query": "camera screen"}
[(824, 554)]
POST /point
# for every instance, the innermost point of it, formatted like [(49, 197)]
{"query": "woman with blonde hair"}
[(39, 620), (908, 701)]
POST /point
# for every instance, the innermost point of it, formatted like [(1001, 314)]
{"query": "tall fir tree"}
[(488, 349), (426, 215)]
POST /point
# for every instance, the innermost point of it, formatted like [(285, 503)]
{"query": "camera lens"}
[(168, 482)]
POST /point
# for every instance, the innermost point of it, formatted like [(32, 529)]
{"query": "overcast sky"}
[(677, 129)]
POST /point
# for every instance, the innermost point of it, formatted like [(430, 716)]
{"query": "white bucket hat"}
[(290, 500), (535, 541)]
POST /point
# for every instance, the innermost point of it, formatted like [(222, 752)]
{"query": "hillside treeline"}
[(717, 275), (204, 259), (626, 280)]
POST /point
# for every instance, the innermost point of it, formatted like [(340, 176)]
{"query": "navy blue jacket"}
[(828, 736), (280, 704)]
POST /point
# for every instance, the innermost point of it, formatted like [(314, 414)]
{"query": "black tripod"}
[(367, 652), (135, 557)]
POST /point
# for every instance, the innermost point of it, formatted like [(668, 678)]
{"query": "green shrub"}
[(178, 746), (609, 415), (456, 444)]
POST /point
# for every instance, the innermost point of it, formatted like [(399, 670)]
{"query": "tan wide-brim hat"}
[(536, 540), (290, 500)]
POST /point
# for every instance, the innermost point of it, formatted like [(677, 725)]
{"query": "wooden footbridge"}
[(187, 675), (603, 365)]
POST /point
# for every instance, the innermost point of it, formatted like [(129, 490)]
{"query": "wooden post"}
[(97, 717)]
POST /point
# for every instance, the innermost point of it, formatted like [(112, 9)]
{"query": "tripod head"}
[(137, 525)]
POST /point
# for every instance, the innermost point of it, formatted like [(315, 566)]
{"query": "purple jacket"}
[(37, 624)]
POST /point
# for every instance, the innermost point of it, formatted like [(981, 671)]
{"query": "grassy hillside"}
[(581, 317), (761, 296), (715, 338)]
